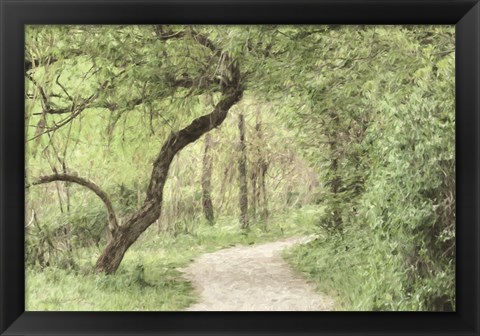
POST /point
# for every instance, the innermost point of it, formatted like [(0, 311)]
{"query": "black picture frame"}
[(464, 14)]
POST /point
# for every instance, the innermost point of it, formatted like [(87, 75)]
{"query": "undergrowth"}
[(363, 272), (149, 278)]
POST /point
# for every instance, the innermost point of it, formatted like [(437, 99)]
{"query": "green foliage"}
[(397, 193), (357, 142), (360, 273)]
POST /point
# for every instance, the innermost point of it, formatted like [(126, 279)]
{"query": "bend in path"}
[(252, 278)]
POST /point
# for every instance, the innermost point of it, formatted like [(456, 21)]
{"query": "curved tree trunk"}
[(207, 181), (112, 218), (136, 224)]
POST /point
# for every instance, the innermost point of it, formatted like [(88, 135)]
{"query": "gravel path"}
[(252, 278)]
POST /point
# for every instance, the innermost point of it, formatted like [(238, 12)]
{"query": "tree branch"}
[(75, 110), (202, 83), (34, 63), (112, 218)]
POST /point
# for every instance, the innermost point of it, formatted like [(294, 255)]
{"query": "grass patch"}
[(359, 270), (148, 278)]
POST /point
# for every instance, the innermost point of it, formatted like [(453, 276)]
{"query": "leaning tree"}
[(157, 60)]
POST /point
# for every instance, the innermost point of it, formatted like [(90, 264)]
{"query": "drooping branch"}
[(75, 110), (31, 63), (77, 104), (112, 218)]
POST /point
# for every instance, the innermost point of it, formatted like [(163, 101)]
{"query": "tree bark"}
[(207, 181), (254, 192), (242, 174), (259, 201), (262, 172)]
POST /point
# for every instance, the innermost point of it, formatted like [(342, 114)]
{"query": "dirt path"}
[(252, 278)]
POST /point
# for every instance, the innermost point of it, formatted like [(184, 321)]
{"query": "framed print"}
[(239, 167)]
